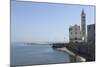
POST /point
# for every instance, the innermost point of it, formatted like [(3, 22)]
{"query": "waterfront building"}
[(91, 33), (78, 33), (91, 41), (75, 34), (83, 25)]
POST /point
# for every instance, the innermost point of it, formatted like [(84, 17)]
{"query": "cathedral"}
[(78, 33)]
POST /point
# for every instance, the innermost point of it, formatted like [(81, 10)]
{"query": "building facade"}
[(78, 33), (91, 33), (75, 34)]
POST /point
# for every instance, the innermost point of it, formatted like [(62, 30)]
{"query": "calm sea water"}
[(24, 54)]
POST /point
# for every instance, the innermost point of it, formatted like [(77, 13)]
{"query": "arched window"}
[(75, 38)]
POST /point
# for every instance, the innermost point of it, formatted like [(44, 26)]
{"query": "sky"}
[(46, 22)]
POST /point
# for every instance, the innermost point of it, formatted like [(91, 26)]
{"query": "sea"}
[(36, 54)]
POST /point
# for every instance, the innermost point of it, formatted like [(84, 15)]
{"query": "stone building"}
[(78, 33), (91, 33), (75, 35)]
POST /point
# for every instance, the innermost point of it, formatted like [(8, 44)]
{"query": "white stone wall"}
[(75, 35)]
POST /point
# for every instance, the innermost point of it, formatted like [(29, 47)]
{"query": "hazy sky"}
[(45, 22)]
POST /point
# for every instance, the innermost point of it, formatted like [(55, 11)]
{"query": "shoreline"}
[(74, 57)]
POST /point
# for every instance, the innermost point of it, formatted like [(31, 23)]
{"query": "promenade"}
[(77, 57)]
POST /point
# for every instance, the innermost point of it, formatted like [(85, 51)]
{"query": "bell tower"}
[(83, 25)]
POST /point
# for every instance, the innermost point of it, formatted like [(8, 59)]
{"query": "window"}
[(75, 38)]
